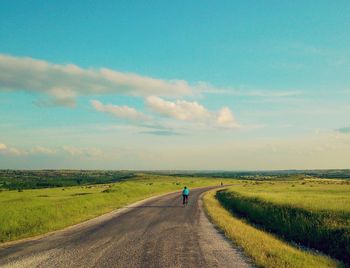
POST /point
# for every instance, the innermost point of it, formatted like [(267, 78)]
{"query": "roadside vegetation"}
[(285, 219), (265, 249), (27, 213), (311, 213)]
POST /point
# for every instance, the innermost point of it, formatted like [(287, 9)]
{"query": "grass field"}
[(265, 249), (32, 212), (313, 213)]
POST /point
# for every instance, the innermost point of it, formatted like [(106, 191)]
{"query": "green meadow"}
[(310, 213), (27, 213), (264, 248), (279, 222)]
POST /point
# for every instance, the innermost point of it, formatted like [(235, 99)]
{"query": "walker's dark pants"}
[(184, 199)]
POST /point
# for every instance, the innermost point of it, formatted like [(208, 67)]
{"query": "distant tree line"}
[(263, 175), (35, 179)]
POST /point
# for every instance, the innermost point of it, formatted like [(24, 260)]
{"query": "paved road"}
[(156, 233)]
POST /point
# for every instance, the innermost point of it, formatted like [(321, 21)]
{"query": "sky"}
[(175, 85)]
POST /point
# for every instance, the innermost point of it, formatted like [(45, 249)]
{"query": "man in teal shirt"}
[(185, 194)]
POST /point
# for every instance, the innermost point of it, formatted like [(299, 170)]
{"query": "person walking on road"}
[(185, 194)]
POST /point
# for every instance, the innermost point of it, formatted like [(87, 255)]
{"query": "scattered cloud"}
[(225, 118), (124, 112), (191, 112), (63, 83), (4, 149), (88, 152), (72, 150), (43, 150), (181, 110), (273, 94), (251, 92), (58, 97)]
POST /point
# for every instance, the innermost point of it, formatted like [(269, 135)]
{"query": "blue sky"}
[(174, 85)]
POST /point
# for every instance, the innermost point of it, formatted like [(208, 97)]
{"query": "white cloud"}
[(124, 112), (181, 110), (72, 150), (4, 149), (89, 152), (251, 92), (15, 151), (225, 118), (63, 83), (192, 112), (43, 150)]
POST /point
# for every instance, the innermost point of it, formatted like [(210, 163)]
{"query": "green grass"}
[(33, 212), (313, 213), (311, 194), (265, 249)]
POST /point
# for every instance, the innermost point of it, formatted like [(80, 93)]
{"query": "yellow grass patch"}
[(265, 249)]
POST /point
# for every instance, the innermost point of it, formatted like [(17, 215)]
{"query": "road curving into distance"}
[(155, 233)]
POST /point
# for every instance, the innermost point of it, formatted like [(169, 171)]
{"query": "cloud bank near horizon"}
[(50, 151), (327, 150)]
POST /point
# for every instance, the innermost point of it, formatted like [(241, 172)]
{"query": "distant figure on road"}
[(222, 184), (185, 193)]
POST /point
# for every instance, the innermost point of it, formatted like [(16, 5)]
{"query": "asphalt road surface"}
[(157, 233)]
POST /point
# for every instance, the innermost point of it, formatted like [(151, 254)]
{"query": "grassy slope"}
[(33, 212), (316, 195), (315, 214), (265, 249)]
